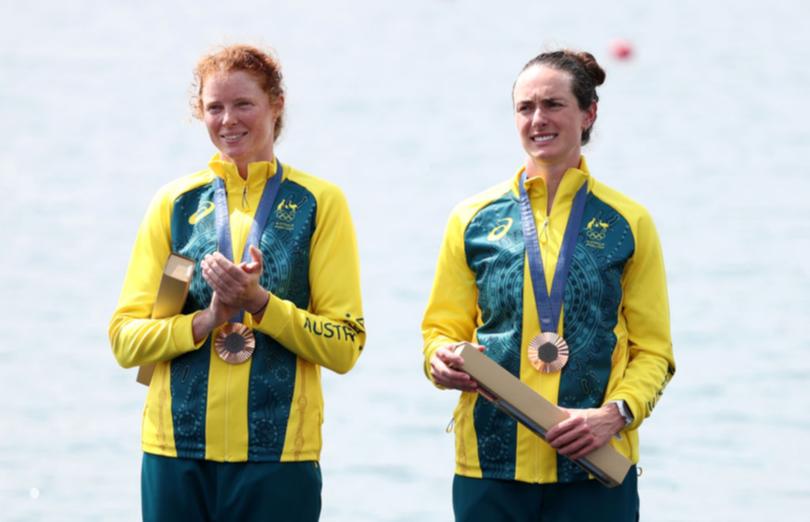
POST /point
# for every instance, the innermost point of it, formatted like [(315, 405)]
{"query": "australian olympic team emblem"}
[(596, 231), (285, 212), (286, 209)]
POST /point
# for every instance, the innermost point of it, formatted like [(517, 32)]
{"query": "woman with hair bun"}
[(561, 281), (232, 423)]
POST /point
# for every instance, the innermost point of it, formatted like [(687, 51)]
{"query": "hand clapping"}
[(236, 285)]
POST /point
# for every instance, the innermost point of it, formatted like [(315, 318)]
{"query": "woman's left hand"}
[(236, 285), (585, 430)]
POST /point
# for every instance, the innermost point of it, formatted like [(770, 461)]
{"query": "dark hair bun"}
[(596, 72)]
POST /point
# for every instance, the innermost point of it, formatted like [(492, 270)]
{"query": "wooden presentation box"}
[(171, 297), (536, 413)]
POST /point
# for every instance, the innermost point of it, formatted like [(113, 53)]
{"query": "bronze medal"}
[(235, 343), (548, 352)]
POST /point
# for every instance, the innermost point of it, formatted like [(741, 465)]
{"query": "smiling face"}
[(548, 118), (240, 117)]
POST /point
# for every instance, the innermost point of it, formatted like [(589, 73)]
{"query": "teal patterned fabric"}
[(498, 269), (189, 372), (285, 245), (590, 307)]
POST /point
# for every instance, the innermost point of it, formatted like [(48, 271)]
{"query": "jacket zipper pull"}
[(544, 232), (244, 198)]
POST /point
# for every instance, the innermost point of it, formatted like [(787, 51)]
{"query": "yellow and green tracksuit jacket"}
[(615, 317), (269, 408)]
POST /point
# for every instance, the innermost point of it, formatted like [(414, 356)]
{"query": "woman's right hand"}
[(444, 372), (237, 284), (215, 315)]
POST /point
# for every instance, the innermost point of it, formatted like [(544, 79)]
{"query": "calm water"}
[(406, 106)]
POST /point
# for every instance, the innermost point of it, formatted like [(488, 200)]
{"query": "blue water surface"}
[(407, 107)]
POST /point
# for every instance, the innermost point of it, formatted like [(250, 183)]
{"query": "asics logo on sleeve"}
[(201, 213), (500, 229)]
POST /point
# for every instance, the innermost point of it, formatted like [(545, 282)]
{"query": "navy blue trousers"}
[(193, 490), (491, 500)]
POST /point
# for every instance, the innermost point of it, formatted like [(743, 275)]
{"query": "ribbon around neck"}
[(223, 226), (549, 306)]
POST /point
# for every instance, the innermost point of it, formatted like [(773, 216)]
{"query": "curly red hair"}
[(261, 64)]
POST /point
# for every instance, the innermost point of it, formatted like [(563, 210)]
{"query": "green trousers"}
[(491, 500), (193, 490)]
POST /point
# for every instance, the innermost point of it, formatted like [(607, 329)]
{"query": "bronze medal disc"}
[(235, 343), (548, 352)]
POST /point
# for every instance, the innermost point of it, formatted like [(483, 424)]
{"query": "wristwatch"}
[(624, 411)]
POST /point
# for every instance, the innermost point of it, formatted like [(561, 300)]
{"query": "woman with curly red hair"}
[(232, 423)]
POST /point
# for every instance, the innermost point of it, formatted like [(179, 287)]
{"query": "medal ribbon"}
[(223, 225), (548, 305)]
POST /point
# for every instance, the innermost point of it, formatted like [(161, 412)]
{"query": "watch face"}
[(624, 411)]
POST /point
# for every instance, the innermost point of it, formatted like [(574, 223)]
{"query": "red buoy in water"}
[(621, 49)]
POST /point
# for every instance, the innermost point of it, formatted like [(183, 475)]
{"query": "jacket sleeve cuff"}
[(183, 332), (624, 411), (634, 409), (277, 316)]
